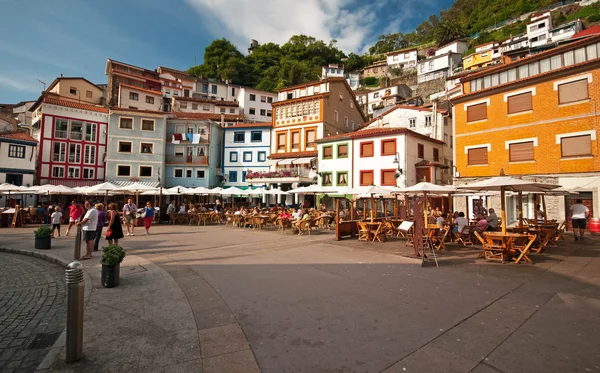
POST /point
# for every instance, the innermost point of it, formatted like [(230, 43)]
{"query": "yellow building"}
[(483, 56), (535, 117)]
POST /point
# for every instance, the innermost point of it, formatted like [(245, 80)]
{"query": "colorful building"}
[(246, 147), (535, 117)]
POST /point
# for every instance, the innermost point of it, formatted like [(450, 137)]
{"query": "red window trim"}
[(363, 172), (361, 149), (388, 170), (395, 147)]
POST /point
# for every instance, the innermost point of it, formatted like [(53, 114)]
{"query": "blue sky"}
[(44, 38)]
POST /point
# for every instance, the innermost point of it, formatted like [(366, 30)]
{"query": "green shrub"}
[(370, 81), (113, 254), (43, 231), (594, 18)]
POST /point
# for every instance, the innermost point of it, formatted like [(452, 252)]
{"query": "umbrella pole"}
[(535, 213), (364, 209), (520, 209), (450, 204), (396, 207), (137, 198), (503, 207), (467, 205), (372, 200), (384, 208), (425, 209), (544, 208)]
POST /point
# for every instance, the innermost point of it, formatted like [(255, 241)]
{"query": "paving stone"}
[(235, 362), (222, 340)]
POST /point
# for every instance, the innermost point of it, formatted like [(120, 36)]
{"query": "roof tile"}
[(75, 105), (294, 155), (22, 136)]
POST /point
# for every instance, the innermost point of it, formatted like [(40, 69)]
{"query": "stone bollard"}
[(75, 295)]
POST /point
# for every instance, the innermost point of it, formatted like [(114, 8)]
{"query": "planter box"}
[(110, 275), (43, 243)]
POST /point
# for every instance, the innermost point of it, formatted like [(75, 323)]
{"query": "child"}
[(56, 218)]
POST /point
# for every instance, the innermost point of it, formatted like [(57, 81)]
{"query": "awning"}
[(305, 160), (122, 183), (286, 161)]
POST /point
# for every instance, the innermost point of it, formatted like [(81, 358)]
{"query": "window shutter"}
[(576, 146), (521, 152), (328, 152), (477, 112), (343, 150), (366, 178), (366, 149), (387, 177), (389, 147), (519, 103), (478, 156), (572, 92)]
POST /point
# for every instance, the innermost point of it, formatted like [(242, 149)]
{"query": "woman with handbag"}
[(148, 216), (115, 231)]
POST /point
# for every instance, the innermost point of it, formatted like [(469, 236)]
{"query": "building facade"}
[(403, 59), (18, 158), (246, 148), (255, 105), (534, 118), (538, 29), (122, 73)]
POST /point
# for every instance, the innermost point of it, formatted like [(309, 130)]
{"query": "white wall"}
[(401, 59), (458, 46), (336, 164), (245, 104), (126, 102), (303, 91)]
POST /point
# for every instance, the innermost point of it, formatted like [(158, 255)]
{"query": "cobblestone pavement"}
[(32, 310)]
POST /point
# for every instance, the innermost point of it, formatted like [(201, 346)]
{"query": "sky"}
[(42, 39)]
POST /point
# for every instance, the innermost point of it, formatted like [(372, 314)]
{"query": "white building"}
[(132, 97), (246, 147), (212, 89), (565, 31), (438, 66), (18, 156), (255, 105), (200, 105), (377, 97), (514, 43), (337, 71), (538, 29), (458, 46), (403, 58)]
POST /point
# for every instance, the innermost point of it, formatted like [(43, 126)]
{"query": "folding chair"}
[(543, 238), (363, 231), (560, 231), (379, 234), (464, 236), (491, 250), (522, 247), (441, 238)]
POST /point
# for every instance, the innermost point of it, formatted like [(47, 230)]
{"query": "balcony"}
[(285, 175), (204, 139), (187, 160)]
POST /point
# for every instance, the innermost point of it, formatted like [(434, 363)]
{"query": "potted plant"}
[(112, 256), (43, 237)]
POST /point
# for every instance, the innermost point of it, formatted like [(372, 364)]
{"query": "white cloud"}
[(350, 23), (26, 84)]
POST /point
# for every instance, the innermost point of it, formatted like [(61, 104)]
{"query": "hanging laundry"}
[(196, 139), (175, 139), (190, 137)]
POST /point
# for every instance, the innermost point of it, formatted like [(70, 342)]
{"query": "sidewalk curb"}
[(60, 343)]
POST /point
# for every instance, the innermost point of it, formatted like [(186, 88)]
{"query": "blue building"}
[(246, 147)]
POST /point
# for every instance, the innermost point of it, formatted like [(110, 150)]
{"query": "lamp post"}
[(399, 169)]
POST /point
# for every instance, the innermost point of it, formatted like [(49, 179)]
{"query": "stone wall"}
[(426, 89)]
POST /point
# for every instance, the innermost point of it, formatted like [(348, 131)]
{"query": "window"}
[(376, 95), (366, 149), (73, 173), (252, 97), (428, 121), (243, 176), (310, 139), (269, 113), (477, 156), (366, 178), (352, 124), (388, 178), (61, 128), (147, 125), (204, 89), (436, 155), (232, 111), (178, 172), (146, 148), (88, 94), (573, 91), (328, 152), (16, 151), (296, 140), (233, 176), (124, 147), (430, 65), (477, 112), (346, 121), (252, 111), (412, 122), (388, 147), (74, 153), (521, 152), (290, 95), (263, 99), (342, 178), (281, 141), (239, 136), (519, 103), (256, 136), (342, 151), (183, 105), (89, 154), (90, 132), (270, 100), (76, 130), (73, 91), (188, 173), (326, 179), (222, 110), (200, 174), (445, 139), (233, 157), (194, 106), (337, 116), (134, 96), (576, 146), (247, 156), (262, 156), (263, 112), (206, 107), (214, 91), (58, 172), (59, 152), (145, 171), (420, 151), (126, 123)]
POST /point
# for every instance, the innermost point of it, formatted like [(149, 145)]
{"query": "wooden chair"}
[(490, 250), (283, 224), (464, 236), (560, 231), (391, 230), (522, 246), (440, 238), (194, 218), (363, 231), (236, 220), (308, 225), (325, 222), (379, 234), (543, 238)]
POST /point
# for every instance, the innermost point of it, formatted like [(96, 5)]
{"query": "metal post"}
[(77, 251), (75, 291)]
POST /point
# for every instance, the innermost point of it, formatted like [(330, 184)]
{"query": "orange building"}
[(535, 117)]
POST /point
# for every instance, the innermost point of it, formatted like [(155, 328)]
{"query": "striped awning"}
[(122, 183), (71, 183)]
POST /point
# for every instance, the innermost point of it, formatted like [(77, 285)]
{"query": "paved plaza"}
[(222, 299)]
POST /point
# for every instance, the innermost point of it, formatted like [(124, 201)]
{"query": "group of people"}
[(485, 219)]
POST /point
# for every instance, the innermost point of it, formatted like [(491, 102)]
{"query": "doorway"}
[(587, 198)]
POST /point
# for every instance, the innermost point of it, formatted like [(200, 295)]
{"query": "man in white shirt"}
[(89, 225), (129, 211), (579, 214), (461, 222)]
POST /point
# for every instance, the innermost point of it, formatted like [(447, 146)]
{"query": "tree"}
[(355, 62), (388, 43), (448, 31), (216, 55)]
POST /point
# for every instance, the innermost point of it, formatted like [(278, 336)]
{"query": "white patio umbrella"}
[(157, 192), (103, 187), (136, 188), (50, 189), (312, 189), (507, 183), (275, 192), (233, 191), (178, 189), (199, 190), (216, 190), (7, 188), (425, 188)]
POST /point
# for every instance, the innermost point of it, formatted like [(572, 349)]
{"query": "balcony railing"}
[(204, 139), (188, 159), (278, 174)]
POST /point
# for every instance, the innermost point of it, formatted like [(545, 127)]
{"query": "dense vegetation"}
[(272, 66)]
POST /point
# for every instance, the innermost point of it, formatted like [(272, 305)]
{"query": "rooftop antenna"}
[(44, 83)]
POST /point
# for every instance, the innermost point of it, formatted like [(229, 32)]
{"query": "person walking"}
[(148, 217), (100, 226), (129, 211), (56, 218), (89, 224), (115, 231), (75, 212), (579, 215)]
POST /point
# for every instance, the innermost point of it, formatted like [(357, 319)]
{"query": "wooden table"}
[(376, 229), (499, 246)]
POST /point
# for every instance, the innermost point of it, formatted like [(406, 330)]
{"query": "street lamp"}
[(397, 162)]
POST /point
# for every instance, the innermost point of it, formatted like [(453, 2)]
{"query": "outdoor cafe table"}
[(498, 240), (376, 230), (259, 221)]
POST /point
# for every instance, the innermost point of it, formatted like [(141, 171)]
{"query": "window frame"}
[(474, 105), (280, 144), (337, 178), (203, 174), (175, 173), (148, 120), (388, 170), (233, 157), (252, 133), (118, 173), (477, 148), (323, 153), (124, 142), (121, 123), (571, 82), (520, 143), (299, 147), (88, 169), (261, 156), (245, 158), (242, 133), (140, 171), (337, 153), (362, 172), (323, 183), (229, 178), (62, 173), (16, 151), (420, 151), (372, 149), (146, 143), (383, 147), (590, 154), (134, 96)]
